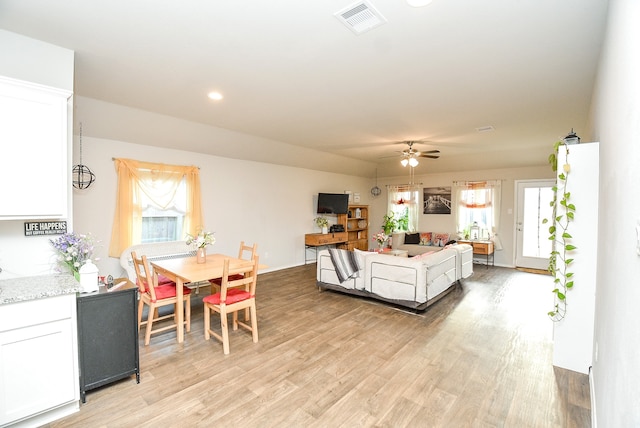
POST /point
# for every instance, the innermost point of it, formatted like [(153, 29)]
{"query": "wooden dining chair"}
[(246, 252), (234, 295), (156, 295)]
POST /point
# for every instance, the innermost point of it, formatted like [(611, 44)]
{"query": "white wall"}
[(616, 118), (37, 62), (271, 205), (447, 223)]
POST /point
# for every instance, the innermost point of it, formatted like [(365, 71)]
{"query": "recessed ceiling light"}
[(418, 3), (216, 96)]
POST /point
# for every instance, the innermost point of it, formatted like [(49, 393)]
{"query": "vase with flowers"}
[(380, 238), (322, 223), (73, 250), (200, 242)]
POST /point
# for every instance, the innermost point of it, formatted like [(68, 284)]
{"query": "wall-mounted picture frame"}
[(437, 200), (350, 193)]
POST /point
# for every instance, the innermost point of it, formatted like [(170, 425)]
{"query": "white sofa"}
[(409, 282), (398, 243)]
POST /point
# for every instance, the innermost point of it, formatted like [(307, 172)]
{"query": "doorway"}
[(533, 246)]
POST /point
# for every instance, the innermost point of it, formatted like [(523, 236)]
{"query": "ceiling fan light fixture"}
[(413, 162), (404, 161)]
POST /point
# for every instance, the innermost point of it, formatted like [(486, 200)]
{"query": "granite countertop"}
[(36, 287)]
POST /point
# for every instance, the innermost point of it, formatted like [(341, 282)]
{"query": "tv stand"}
[(315, 240)]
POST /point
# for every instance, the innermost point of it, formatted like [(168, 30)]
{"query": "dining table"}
[(186, 270)]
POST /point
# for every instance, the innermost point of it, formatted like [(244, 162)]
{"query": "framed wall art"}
[(437, 200)]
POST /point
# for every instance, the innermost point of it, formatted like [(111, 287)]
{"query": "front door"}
[(533, 246)]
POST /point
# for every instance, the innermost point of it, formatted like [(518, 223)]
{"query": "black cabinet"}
[(107, 337)]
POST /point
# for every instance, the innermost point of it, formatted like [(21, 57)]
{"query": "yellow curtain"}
[(159, 182)]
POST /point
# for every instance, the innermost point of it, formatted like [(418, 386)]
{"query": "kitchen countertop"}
[(36, 287)]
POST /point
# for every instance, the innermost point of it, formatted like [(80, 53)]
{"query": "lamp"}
[(375, 191), (413, 161), (82, 177), (404, 161), (571, 138)]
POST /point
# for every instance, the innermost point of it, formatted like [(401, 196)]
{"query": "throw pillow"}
[(440, 239), (425, 238), (344, 262), (412, 238)]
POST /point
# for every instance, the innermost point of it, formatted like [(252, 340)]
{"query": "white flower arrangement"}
[(202, 239)]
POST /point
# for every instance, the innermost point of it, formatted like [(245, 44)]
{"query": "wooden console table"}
[(315, 240), (482, 248)]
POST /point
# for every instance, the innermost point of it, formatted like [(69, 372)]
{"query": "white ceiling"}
[(291, 72)]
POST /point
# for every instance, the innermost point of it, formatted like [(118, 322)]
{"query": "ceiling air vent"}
[(361, 17)]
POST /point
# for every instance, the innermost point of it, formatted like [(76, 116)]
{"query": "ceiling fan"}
[(410, 155)]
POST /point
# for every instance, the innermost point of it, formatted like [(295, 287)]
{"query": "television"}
[(333, 203)]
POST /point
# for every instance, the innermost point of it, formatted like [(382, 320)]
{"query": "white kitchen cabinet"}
[(38, 360), (34, 166)]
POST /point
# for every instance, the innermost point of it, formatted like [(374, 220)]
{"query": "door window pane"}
[(535, 235)]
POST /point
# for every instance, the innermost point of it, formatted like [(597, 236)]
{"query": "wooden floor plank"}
[(481, 356)]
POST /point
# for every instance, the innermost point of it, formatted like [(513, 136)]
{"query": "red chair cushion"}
[(164, 280), (167, 291), (234, 277), (234, 295)]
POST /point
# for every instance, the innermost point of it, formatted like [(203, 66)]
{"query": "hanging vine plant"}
[(563, 214)]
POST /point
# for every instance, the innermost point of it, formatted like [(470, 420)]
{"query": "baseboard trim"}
[(592, 397)]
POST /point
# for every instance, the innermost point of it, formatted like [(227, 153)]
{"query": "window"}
[(478, 206), (160, 224), (404, 204), (155, 202)]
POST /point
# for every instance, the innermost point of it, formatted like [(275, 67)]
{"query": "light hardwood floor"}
[(480, 357)]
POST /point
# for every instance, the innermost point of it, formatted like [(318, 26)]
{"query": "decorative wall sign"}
[(38, 228), (437, 200)]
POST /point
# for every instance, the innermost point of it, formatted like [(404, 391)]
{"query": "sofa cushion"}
[(344, 262), (361, 256), (425, 238), (423, 255), (440, 239), (412, 238)]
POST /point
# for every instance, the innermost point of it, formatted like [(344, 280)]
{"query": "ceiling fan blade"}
[(430, 156), (430, 151)]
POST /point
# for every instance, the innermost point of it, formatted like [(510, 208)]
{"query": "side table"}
[(317, 240), (107, 336), (482, 248)]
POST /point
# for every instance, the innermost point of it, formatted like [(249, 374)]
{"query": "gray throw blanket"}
[(345, 263)]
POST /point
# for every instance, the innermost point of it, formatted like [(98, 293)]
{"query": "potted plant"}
[(322, 223), (563, 214), (389, 224)]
